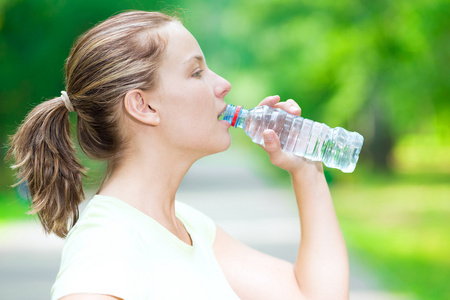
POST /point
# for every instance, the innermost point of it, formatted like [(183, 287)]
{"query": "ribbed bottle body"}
[(336, 148)]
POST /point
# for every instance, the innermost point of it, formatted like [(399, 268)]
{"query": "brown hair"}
[(119, 54)]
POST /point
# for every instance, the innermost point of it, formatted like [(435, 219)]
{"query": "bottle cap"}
[(236, 115)]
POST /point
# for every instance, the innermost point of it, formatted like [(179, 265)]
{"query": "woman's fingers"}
[(270, 101), (290, 106)]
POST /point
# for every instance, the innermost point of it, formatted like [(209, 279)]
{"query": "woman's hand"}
[(286, 161)]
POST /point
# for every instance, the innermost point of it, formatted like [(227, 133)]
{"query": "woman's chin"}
[(223, 146)]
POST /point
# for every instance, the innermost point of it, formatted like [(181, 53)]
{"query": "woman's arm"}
[(321, 269)]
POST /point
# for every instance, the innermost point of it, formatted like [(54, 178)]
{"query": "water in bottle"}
[(336, 148)]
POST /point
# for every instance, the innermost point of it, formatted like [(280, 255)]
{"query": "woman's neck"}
[(149, 183)]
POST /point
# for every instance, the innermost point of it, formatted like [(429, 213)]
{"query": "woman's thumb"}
[(272, 145)]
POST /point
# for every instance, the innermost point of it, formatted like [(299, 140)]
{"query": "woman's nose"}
[(222, 87)]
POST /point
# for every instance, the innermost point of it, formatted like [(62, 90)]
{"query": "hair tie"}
[(65, 98)]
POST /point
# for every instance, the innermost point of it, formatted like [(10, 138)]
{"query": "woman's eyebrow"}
[(199, 58)]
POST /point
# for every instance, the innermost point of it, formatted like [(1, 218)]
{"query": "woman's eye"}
[(198, 74)]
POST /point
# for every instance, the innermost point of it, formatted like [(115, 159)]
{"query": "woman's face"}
[(191, 97)]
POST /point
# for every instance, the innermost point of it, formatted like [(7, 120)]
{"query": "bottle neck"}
[(235, 115)]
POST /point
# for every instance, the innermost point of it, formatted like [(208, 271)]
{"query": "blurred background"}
[(377, 67)]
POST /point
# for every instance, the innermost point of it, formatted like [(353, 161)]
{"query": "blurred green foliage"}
[(376, 67), (379, 68)]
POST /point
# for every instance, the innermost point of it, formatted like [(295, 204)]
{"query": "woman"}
[(148, 105)]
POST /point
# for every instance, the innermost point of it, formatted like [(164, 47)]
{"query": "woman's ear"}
[(137, 105)]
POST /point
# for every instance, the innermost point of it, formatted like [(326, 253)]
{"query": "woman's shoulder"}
[(109, 213), (100, 222)]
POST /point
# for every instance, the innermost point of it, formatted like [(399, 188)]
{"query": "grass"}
[(400, 225)]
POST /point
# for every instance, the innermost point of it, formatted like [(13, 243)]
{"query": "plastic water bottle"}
[(336, 148)]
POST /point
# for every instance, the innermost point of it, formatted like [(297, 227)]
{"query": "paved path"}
[(222, 186)]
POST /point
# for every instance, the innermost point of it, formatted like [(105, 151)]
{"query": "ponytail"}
[(45, 160)]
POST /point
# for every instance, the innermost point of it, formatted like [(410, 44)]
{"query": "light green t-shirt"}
[(117, 250)]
